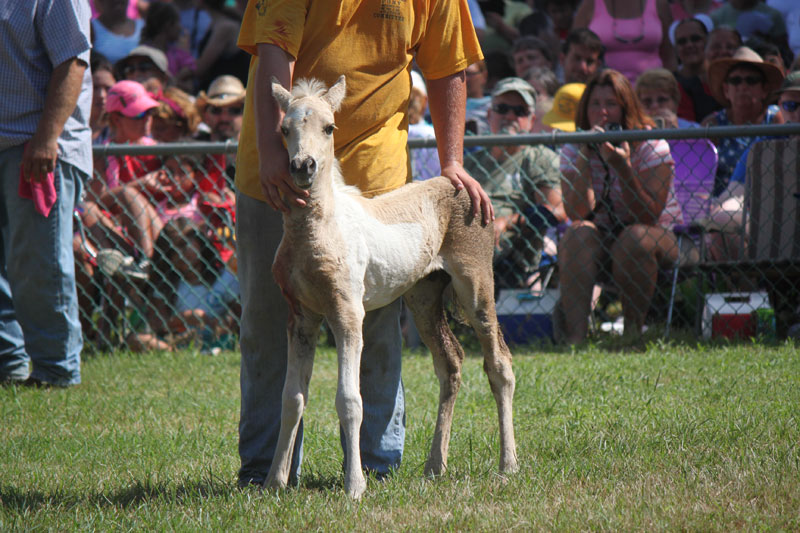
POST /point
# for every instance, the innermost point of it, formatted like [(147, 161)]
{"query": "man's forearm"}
[(272, 62), (61, 98), (447, 100)]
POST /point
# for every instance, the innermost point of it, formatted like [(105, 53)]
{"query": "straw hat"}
[(224, 90), (718, 71), (565, 105)]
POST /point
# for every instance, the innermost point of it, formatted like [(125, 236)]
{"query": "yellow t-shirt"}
[(373, 43)]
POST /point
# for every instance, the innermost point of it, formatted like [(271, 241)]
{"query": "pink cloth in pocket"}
[(42, 193)]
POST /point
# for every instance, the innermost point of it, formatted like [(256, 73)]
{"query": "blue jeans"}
[(38, 301), (264, 350)]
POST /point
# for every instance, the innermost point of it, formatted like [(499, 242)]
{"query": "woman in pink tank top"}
[(633, 32)]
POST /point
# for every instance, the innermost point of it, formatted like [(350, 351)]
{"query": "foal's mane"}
[(308, 87)]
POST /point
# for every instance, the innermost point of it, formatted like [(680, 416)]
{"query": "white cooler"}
[(732, 314)]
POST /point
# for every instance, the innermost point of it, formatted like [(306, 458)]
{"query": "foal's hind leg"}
[(475, 290), (425, 302), (302, 330)]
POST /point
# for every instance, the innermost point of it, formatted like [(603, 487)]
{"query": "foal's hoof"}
[(509, 467), (356, 489), (273, 483), (434, 470)]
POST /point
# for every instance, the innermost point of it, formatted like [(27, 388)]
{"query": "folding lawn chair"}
[(770, 235), (695, 168)]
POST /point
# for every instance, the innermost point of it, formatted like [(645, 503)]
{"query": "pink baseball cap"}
[(129, 98)]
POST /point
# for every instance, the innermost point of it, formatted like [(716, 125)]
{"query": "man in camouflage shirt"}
[(523, 181)]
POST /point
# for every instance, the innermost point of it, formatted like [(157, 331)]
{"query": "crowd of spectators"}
[(687, 63), (171, 71), (162, 72)]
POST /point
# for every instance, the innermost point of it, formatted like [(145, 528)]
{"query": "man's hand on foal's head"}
[(460, 178)]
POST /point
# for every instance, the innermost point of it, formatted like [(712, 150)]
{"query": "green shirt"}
[(514, 185)]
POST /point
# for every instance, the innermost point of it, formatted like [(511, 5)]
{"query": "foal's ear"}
[(281, 95), (335, 94)]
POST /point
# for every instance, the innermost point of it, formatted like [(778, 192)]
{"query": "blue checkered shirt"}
[(35, 37)]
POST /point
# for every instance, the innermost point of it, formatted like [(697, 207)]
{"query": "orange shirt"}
[(373, 43)]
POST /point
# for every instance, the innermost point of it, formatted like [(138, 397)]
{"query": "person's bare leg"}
[(139, 216), (636, 255), (578, 252)]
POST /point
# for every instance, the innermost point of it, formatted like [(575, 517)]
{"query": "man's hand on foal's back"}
[(460, 178)]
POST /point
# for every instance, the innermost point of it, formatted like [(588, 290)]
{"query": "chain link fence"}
[(156, 263)]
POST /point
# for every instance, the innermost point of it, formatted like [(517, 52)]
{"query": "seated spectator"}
[(424, 161), (659, 93), (727, 210), (498, 66), (690, 38), (195, 22), (529, 52), (478, 101), (790, 11), (544, 81), (565, 105), (741, 84), (221, 109), (114, 33), (146, 65), (118, 184), (723, 41), (176, 118), (752, 18), (219, 53), (502, 23), (621, 202), (769, 52), (635, 34), (163, 31), (523, 182), (561, 14), (193, 297), (102, 80), (686, 9), (581, 56)]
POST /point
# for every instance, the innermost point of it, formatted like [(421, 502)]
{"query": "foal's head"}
[(308, 126)]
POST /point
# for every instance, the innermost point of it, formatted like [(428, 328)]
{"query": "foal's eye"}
[(329, 129), (284, 130)]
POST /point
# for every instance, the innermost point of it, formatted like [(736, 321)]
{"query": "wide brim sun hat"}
[(718, 71), (224, 91)]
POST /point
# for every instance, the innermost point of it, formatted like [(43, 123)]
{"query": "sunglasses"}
[(518, 110), (692, 38), (790, 106), (749, 80), (140, 116), (141, 67), (233, 110)]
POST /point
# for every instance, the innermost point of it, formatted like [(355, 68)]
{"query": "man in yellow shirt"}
[(372, 42)]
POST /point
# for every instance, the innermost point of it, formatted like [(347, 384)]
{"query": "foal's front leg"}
[(303, 329), (347, 326)]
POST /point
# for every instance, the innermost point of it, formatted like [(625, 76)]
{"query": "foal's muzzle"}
[(303, 171)]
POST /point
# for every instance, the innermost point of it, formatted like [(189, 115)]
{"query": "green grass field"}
[(670, 437)]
